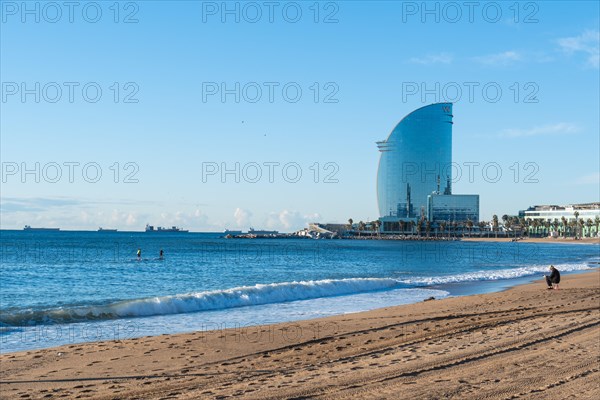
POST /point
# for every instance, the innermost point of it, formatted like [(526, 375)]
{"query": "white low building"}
[(552, 212)]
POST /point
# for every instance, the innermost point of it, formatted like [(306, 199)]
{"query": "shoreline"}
[(80, 332), (426, 349), (587, 241)]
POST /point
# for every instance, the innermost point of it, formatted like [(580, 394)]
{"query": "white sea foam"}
[(248, 296), (492, 275), (208, 300), (259, 294)]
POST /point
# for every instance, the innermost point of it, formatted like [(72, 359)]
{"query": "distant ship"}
[(252, 231), (101, 229), (150, 228), (228, 232), (29, 228)]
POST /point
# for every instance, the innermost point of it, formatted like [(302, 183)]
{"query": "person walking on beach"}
[(139, 254), (553, 279)]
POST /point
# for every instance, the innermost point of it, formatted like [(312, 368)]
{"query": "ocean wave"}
[(259, 294), (492, 275), (202, 301)]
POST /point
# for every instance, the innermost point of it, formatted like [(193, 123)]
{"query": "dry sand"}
[(526, 342)]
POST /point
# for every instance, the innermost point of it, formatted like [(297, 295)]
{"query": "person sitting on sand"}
[(553, 279)]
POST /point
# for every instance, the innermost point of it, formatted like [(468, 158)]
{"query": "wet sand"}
[(526, 342)]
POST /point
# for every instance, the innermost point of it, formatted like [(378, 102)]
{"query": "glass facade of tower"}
[(455, 208), (415, 162)]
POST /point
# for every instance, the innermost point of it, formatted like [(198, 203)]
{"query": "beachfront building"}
[(561, 218), (416, 163), (552, 212)]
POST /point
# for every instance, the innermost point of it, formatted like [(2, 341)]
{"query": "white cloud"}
[(587, 43), (199, 217), (68, 213), (289, 221), (441, 58), (84, 217), (242, 217), (562, 128), (131, 220), (117, 218), (499, 59), (193, 220)]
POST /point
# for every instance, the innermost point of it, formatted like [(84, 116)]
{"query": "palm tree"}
[(547, 227), (361, 227), (402, 226), (427, 227), (573, 228), (536, 225), (514, 221), (507, 225), (580, 228), (481, 225), (589, 224), (597, 222), (350, 222), (495, 223), (469, 225), (522, 224), (517, 222), (576, 213), (563, 221), (443, 227), (419, 227), (555, 225), (505, 218)]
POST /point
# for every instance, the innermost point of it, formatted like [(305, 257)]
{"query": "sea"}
[(68, 287)]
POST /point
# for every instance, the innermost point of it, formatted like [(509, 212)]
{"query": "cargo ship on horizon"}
[(150, 228), (29, 228)]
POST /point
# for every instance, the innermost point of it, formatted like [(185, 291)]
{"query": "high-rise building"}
[(415, 158), (416, 162)]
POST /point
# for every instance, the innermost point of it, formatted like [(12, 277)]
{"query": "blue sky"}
[(161, 120)]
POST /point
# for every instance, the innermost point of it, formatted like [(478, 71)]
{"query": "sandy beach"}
[(526, 342)]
